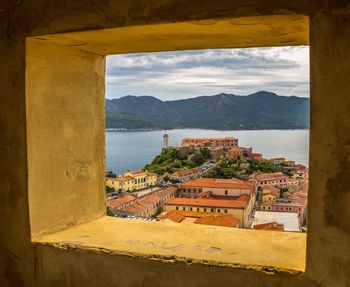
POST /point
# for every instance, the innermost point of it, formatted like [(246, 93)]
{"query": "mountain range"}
[(261, 110)]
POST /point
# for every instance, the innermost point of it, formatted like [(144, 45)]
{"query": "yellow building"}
[(240, 208), (142, 179), (132, 180), (124, 183), (268, 197)]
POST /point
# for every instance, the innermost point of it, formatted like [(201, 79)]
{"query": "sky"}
[(193, 73)]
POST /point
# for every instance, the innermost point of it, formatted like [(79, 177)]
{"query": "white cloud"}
[(185, 74)]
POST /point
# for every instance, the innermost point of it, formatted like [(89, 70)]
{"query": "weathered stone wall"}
[(25, 264)]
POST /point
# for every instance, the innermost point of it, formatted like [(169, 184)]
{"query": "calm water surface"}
[(132, 150)]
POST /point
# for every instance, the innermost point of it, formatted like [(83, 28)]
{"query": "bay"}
[(132, 150)]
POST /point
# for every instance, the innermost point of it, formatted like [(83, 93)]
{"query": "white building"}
[(290, 220)]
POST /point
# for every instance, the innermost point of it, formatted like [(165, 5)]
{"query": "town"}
[(213, 181)]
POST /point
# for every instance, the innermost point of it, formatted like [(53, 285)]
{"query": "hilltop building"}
[(256, 156), (277, 160), (227, 142), (235, 153)]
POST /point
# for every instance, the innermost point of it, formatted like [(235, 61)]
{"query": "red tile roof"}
[(209, 139), (135, 208), (136, 172), (174, 216), (121, 178), (270, 226), (240, 202), (271, 176), (167, 191), (195, 214), (218, 183), (233, 149), (227, 220), (120, 200), (149, 200)]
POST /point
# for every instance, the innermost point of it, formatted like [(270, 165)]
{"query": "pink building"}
[(235, 153), (287, 206), (227, 142)]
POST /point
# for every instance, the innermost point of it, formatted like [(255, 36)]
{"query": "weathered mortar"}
[(22, 264)]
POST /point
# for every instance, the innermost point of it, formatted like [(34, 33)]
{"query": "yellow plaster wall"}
[(65, 136)]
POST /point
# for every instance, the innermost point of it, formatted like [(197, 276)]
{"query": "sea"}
[(132, 150)]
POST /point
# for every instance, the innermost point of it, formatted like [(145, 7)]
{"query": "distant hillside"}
[(262, 110)]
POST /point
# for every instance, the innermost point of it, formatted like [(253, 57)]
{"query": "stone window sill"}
[(267, 251)]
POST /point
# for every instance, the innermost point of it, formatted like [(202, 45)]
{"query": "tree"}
[(109, 212), (206, 153), (283, 190), (110, 174), (198, 159), (109, 189)]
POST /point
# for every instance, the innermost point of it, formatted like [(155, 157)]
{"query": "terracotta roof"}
[(272, 191), (167, 191), (120, 200), (135, 172), (236, 148), (271, 176), (174, 216), (256, 153), (218, 183), (240, 202), (149, 200), (219, 220), (195, 214), (209, 139), (135, 208), (270, 226), (277, 158), (150, 173), (295, 203), (121, 178)]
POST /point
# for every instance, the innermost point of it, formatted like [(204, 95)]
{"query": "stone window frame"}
[(52, 90)]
